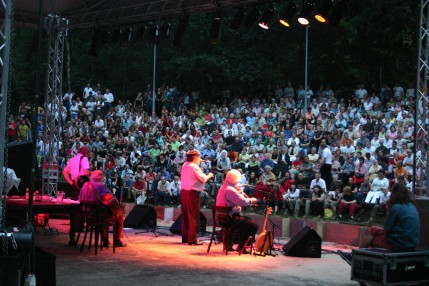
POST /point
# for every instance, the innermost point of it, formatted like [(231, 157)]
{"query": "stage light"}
[(217, 15), (164, 31), (177, 41), (337, 12), (216, 28), (239, 17), (322, 13), (264, 23), (152, 33), (251, 18), (306, 13), (290, 12)]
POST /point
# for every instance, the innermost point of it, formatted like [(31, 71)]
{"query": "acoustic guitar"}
[(265, 238)]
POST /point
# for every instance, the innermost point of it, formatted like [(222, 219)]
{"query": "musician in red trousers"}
[(193, 182), (231, 195)]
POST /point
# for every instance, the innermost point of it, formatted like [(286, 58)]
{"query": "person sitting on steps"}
[(401, 230)]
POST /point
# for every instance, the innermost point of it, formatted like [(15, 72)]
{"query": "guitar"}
[(265, 238)]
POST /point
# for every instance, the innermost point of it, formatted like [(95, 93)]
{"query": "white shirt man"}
[(175, 187), (108, 96), (99, 123), (327, 156), (87, 92), (378, 185), (318, 181), (90, 105), (409, 161)]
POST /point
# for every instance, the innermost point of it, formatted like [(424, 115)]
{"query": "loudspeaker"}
[(306, 243), (141, 217), (20, 155), (176, 228)]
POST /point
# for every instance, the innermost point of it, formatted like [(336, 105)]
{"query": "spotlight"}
[(306, 13), (239, 17), (264, 23), (290, 12), (164, 32), (216, 28), (251, 18), (322, 14), (337, 12), (177, 42), (217, 16), (152, 34)]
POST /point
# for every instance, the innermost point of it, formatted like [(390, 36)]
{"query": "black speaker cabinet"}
[(306, 243), (141, 217), (176, 228)]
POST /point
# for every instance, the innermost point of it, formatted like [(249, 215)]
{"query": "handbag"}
[(329, 213), (359, 175)]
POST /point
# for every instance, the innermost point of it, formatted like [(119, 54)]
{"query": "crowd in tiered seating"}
[(272, 140)]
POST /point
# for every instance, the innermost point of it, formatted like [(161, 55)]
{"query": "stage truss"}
[(421, 138), (5, 61), (56, 27)]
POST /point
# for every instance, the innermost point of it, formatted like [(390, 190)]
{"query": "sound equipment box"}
[(306, 243), (141, 217), (176, 228)]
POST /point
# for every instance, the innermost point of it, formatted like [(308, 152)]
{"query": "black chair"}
[(93, 221), (222, 218)]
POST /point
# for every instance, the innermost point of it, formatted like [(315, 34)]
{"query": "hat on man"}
[(193, 153)]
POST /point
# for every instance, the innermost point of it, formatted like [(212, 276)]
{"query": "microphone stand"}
[(273, 228)]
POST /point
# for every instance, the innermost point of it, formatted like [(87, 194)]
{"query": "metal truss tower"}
[(57, 31), (5, 62), (421, 138)]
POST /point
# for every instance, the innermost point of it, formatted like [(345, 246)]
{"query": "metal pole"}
[(5, 58), (154, 72), (306, 69), (35, 115)]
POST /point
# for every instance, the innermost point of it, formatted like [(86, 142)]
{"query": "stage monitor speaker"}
[(306, 243), (141, 217), (176, 228)]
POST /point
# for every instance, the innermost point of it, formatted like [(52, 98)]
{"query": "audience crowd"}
[(366, 137)]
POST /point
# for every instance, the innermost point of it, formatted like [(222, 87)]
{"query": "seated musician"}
[(96, 192), (230, 195)]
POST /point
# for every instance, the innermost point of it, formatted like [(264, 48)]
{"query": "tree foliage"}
[(375, 41)]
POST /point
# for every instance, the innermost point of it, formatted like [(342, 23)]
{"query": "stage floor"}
[(164, 260)]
